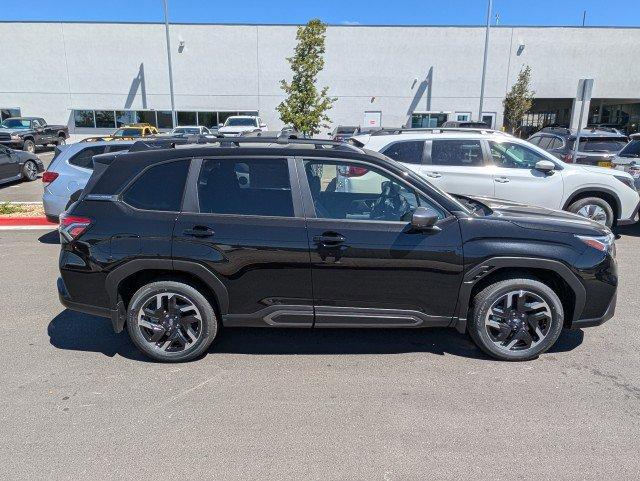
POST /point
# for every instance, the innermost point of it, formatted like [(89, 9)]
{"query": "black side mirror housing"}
[(423, 218)]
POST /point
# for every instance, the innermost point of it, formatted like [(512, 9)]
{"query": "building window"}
[(147, 117), (105, 119), (208, 119), (6, 113), (187, 118), (83, 118), (164, 119), (428, 120)]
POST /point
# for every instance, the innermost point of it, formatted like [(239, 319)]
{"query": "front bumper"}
[(12, 144), (633, 218), (580, 323)]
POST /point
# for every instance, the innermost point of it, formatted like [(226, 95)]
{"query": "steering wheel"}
[(390, 205)]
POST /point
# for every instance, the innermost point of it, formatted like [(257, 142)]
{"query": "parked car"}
[(465, 124), (628, 159), (190, 130), (342, 133), (18, 165), (70, 170), (135, 130), (242, 124), (25, 133), (172, 243), (597, 147), (493, 164)]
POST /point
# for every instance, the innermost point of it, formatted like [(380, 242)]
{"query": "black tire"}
[(581, 207), (206, 331), (29, 146), (30, 171), (485, 336)]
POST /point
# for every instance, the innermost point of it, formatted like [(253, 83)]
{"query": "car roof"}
[(565, 132), (382, 140), (188, 126)]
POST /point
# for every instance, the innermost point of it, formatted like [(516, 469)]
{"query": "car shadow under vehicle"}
[(52, 237), (82, 332), (627, 230)]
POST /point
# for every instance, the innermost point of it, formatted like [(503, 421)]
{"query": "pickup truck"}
[(26, 133)]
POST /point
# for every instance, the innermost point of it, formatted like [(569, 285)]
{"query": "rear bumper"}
[(117, 315), (54, 205), (580, 323)]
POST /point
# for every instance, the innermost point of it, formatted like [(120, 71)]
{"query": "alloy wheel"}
[(31, 170), (593, 212), (170, 322), (518, 320)]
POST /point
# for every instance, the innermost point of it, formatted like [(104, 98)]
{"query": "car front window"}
[(231, 122), (514, 156), (16, 124)]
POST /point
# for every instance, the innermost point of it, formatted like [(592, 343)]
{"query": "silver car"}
[(70, 170)]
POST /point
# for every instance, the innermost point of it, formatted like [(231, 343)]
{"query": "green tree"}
[(518, 101), (305, 106)]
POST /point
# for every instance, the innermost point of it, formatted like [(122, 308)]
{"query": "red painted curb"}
[(19, 221)]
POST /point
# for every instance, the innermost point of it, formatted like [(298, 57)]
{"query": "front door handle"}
[(329, 239), (502, 180), (199, 231), (434, 175)]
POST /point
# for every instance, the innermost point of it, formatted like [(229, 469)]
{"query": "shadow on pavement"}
[(83, 332), (52, 237)]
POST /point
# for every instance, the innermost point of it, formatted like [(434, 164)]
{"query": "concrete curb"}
[(18, 223)]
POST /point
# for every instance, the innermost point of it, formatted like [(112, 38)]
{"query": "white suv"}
[(242, 124), (475, 162)]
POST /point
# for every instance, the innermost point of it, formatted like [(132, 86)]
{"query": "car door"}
[(9, 166), (369, 268), (243, 222), (457, 166), (517, 179)]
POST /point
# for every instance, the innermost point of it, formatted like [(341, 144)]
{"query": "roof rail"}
[(107, 138), (436, 130), (284, 141)]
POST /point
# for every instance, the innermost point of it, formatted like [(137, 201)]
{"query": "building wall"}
[(396, 70)]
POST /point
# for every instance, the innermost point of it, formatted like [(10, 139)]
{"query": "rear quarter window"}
[(408, 151), (84, 158), (159, 188)]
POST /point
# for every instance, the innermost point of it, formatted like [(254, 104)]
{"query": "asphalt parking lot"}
[(27, 191), (79, 402)]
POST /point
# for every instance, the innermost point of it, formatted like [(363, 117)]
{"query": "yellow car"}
[(135, 130)]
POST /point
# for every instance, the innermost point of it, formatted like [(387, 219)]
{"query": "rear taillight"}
[(48, 176), (72, 226), (353, 171), (568, 158)]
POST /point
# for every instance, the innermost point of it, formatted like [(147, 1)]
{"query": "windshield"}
[(240, 122), (631, 150), (184, 130), (346, 130), (128, 133), (16, 124), (602, 144)]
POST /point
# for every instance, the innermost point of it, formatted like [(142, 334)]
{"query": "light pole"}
[(166, 28), (484, 62)]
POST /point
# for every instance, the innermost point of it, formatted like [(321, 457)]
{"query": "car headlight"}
[(605, 243), (15, 137), (626, 181)]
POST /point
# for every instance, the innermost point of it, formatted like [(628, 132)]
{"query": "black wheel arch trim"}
[(115, 278), (484, 268), (595, 190)]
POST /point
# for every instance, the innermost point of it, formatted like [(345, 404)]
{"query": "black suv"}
[(176, 241)]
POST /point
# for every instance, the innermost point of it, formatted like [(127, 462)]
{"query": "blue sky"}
[(365, 12)]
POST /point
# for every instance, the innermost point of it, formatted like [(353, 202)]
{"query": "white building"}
[(93, 76)]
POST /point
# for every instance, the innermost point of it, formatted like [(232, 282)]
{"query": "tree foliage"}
[(519, 100), (305, 106)]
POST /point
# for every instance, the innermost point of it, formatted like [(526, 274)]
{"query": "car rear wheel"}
[(29, 146), (30, 171), (171, 321), (516, 319), (594, 208)]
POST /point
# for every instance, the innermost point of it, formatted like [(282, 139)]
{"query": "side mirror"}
[(545, 166), (263, 125), (423, 218)]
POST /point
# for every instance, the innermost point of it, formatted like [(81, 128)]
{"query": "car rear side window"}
[(466, 153), (245, 187), (545, 142), (408, 151), (84, 158), (159, 188)]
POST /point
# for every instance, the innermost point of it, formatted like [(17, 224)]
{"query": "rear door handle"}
[(199, 231), (502, 180), (329, 239), (434, 175)]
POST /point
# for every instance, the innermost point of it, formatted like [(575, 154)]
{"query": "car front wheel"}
[(516, 319), (171, 321), (594, 208), (30, 171)]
